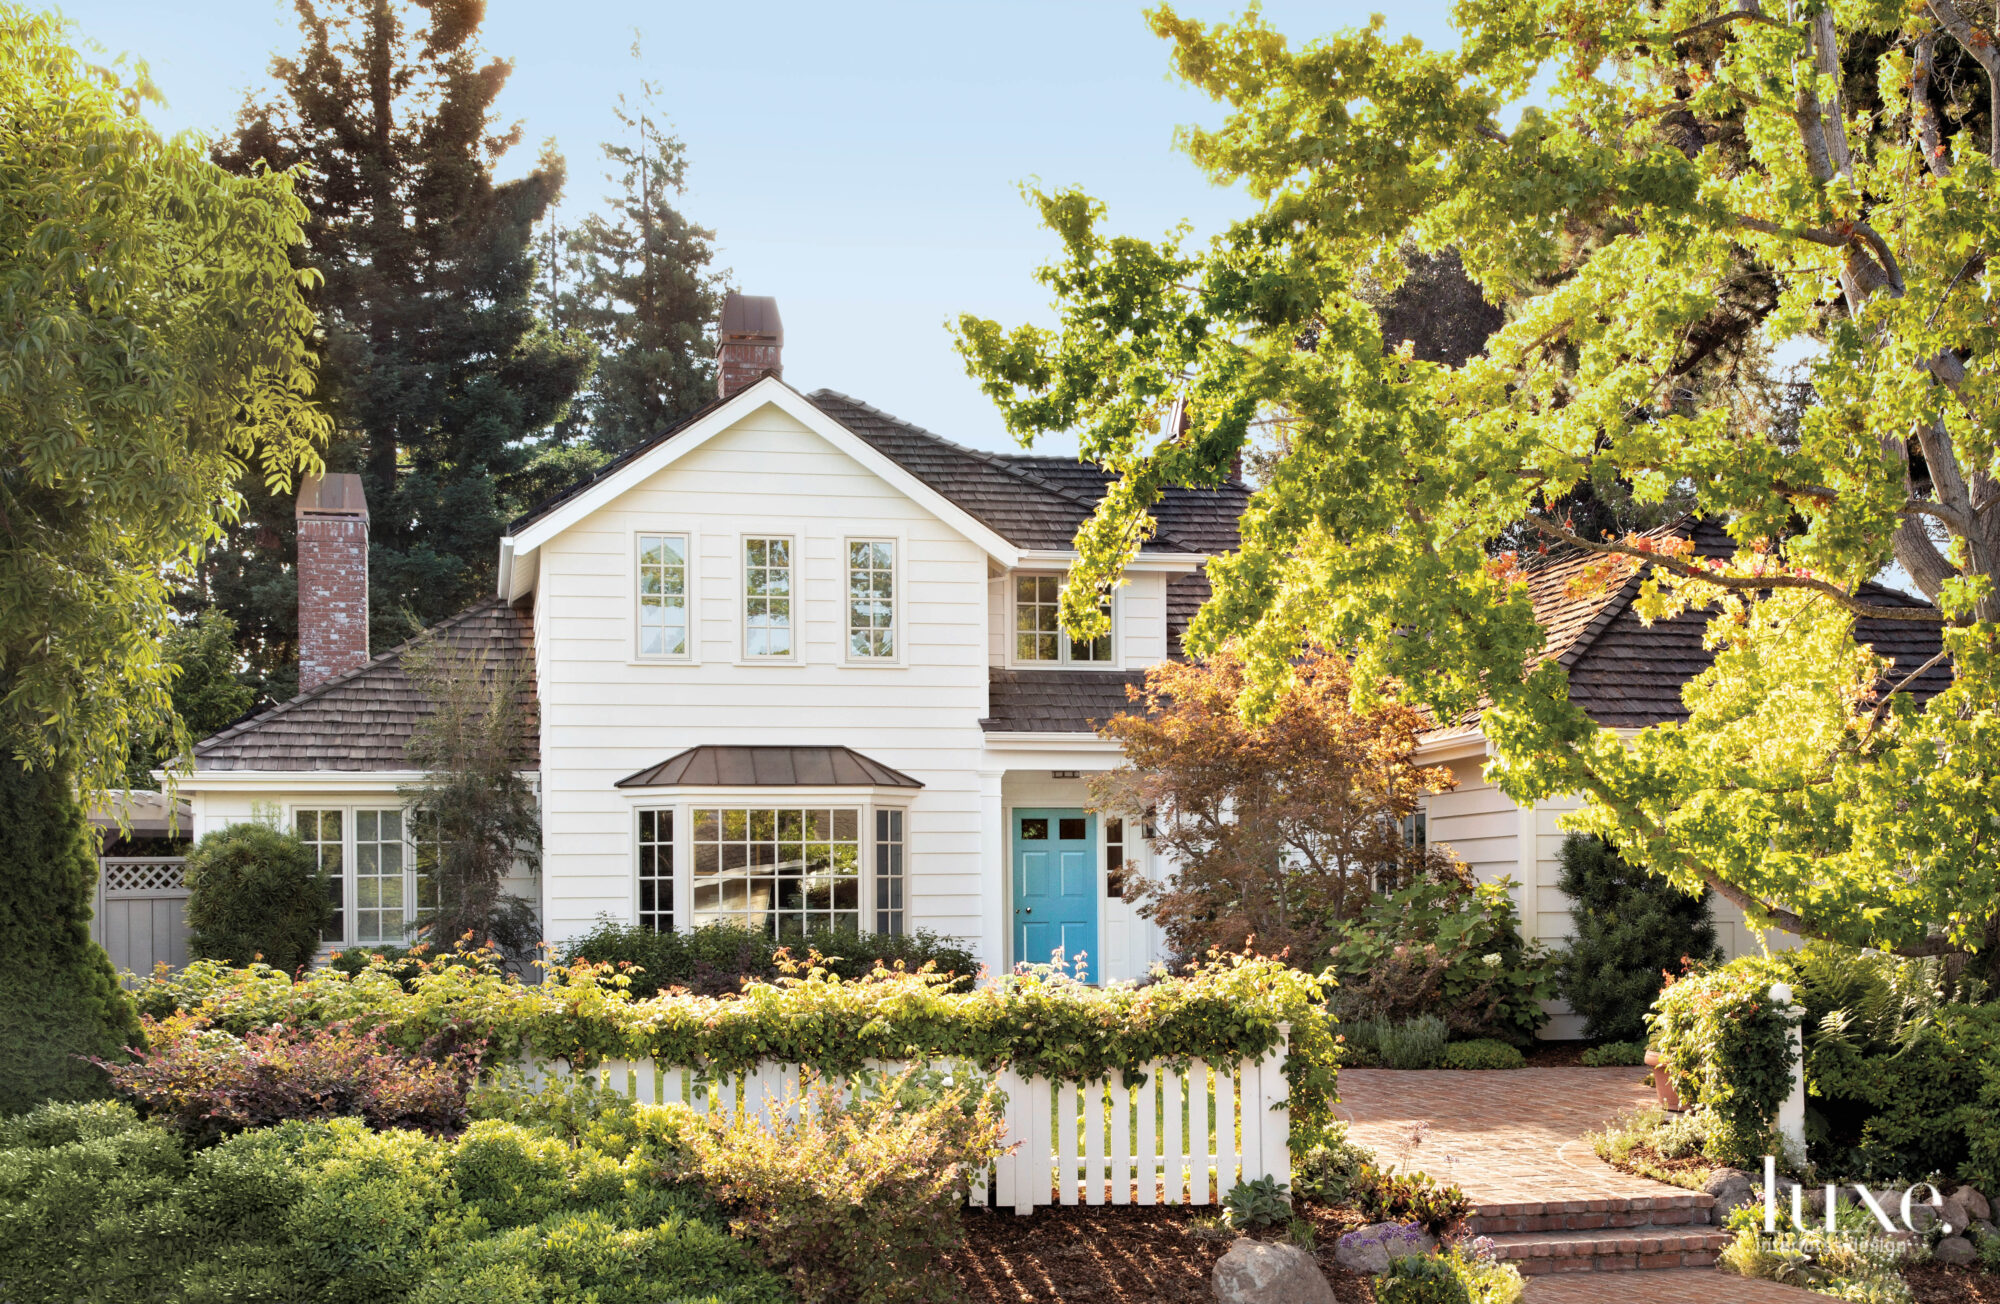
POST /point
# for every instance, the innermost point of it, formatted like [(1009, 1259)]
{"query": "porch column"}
[(994, 912)]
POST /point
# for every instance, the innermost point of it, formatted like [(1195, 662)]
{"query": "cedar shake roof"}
[(1055, 701), (1032, 502), (769, 767), (361, 720), (1627, 674)]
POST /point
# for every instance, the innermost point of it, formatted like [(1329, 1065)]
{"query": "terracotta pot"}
[(1670, 1100)]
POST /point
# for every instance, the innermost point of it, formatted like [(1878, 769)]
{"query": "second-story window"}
[(1038, 635), (767, 597), (663, 615), (871, 599)]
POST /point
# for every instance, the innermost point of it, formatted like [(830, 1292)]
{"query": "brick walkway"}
[(1515, 1142)]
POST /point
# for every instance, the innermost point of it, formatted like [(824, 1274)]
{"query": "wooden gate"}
[(140, 918), (1178, 1137)]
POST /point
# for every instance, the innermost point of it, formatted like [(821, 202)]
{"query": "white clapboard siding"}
[(1148, 1142)]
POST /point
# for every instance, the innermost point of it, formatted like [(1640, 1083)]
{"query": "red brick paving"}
[(1516, 1143)]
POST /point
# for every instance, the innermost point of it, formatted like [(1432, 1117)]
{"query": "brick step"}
[(1618, 1249), (1680, 1209)]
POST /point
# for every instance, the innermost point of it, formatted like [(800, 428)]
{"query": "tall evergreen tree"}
[(1632, 928), (641, 288), (437, 373)]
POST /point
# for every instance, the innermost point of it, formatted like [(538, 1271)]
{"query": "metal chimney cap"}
[(751, 317), (337, 494)]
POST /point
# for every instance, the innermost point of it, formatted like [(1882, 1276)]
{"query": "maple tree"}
[(1279, 829), (1697, 194)]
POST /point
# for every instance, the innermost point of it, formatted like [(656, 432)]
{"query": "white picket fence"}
[(1176, 1138)]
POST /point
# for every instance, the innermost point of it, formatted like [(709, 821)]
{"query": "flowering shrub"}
[(1449, 949), (207, 1083), (852, 1200), (1728, 1047), (1231, 1007)]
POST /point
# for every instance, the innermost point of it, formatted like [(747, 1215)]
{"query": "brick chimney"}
[(752, 341), (333, 578)]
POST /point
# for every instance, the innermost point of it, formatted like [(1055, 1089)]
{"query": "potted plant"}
[(1663, 1082)]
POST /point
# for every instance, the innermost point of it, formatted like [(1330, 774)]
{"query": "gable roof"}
[(362, 720), (1032, 503)]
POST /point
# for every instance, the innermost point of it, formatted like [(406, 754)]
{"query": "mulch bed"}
[(1934, 1283), (1127, 1255)]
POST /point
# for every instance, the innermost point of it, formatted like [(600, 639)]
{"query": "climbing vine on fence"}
[(1228, 1009)]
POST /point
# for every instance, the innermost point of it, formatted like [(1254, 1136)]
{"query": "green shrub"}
[(1729, 1048), (1422, 1279), (854, 1201), (96, 1205), (1417, 1043), (255, 893), (1449, 949), (1483, 1054), (1327, 1168), (1615, 1054), (59, 997), (1262, 1203), (715, 961), (1631, 928)]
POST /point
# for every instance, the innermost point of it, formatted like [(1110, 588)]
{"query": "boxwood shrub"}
[(1483, 1054)]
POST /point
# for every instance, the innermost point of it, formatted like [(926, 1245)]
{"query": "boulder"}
[(1954, 1212), (1985, 1228), (1732, 1189), (1975, 1203), (1369, 1249), (1923, 1217), (1259, 1272), (1955, 1250)]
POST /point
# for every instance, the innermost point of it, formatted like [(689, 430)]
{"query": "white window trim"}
[(683, 802), (691, 542), (896, 602), (1062, 661), (347, 808), (741, 599)]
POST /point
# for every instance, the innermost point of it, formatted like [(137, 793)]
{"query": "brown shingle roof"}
[(362, 720), (1055, 701), (1628, 674)]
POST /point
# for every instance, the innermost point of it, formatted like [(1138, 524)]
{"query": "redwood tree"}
[(1279, 829)]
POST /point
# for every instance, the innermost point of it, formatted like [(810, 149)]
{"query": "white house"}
[(792, 660)]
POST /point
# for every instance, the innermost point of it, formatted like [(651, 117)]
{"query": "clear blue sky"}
[(861, 162)]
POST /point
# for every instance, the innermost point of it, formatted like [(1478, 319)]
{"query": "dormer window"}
[(1038, 635)]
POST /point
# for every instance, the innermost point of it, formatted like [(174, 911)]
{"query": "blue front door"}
[(1055, 889)]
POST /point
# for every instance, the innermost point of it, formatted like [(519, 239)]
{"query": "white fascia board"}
[(786, 400), (1081, 743), (1462, 747), (1171, 563), (303, 780)]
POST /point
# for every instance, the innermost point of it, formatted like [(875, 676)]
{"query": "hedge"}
[(1229, 1008)]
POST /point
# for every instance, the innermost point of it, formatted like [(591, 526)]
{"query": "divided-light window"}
[(871, 599), (767, 597), (663, 605), (1038, 635)]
